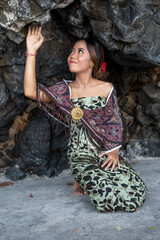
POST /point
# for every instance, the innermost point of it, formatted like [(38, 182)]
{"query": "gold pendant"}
[(76, 113)]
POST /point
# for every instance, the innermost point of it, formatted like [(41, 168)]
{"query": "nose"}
[(73, 56)]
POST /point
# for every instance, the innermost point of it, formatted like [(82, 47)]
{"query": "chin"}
[(75, 72), (72, 70)]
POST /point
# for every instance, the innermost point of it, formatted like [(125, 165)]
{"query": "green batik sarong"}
[(108, 191)]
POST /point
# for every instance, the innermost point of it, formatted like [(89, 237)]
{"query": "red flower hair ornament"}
[(103, 67)]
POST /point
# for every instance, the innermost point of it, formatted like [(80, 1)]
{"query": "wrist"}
[(31, 51), (31, 54)]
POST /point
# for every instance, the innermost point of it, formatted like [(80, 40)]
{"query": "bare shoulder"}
[(108, 85), (105, 87), (105, 84)]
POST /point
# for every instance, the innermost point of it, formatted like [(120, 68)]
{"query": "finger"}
[(109, 158), (103, 164), (29, 30), (33, 30), (39, 29), (119, 166), (102, 154), (108, 165), (114, 164), (36, 30), (41, 38)]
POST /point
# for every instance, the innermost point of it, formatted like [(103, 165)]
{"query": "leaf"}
[(75, 230), (71, 183), (134, 162), (137, 210), (150, 228), (6, 184), (31, 196), (118, 228)]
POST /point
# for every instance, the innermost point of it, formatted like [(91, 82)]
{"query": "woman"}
[(88, 106)]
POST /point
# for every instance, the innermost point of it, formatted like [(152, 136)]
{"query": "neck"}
[(84, 80)]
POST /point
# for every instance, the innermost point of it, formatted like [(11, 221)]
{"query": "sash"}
[(103, 123)]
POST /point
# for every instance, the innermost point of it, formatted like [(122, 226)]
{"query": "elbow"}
[(30, 95), (27, 94)]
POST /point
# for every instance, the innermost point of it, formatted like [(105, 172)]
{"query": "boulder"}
[(153, 92), (127, 29), (15, 15), (35, 145)]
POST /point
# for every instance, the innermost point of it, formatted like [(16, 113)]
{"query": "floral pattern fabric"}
[(108, 191)]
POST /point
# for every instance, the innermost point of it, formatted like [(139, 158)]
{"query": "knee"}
[(102, 203)]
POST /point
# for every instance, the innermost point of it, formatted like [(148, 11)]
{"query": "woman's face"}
[(79, 58)]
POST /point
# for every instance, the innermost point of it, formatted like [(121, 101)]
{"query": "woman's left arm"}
[(112, 160)]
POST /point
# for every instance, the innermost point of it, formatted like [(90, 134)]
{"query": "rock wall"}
[(129, 32), (139, 101)]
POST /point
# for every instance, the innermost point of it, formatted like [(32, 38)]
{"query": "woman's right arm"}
[(33, 41)]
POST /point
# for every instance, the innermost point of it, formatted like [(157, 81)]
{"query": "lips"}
[(72, 62)]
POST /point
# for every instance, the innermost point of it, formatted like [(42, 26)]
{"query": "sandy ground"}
[(46, 209)]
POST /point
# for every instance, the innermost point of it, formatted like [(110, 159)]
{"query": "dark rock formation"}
[(41, 150), (126, 28), (15, 15), (52, 63), (129, 32), (35, 145)]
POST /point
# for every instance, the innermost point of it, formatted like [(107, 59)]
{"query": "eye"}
[(81, 51), (71, 51)]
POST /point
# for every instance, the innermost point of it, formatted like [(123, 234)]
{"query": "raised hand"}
[(34, 39)]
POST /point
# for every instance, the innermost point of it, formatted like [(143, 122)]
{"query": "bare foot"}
[(78, 190)]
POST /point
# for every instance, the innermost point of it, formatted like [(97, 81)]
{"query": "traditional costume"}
[(95, 125)]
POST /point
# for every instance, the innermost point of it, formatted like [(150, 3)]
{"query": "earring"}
[(91, 64)]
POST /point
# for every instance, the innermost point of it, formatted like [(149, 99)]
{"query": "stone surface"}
[(35, 145), (13, 78), (8, 113), (128, 104), (53, 62), (1, 154), (77, 23), (16, 171), (5, 162), (128, 78), (41, 149), (46, 209), (142, 117), (153, 109), (53, 4), (4, 93), (4, 132), (143, 99), (142, 148), (127, 29), (153, 92), (15, 15)]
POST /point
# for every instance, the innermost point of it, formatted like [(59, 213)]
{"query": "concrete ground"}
[(46, 209)]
